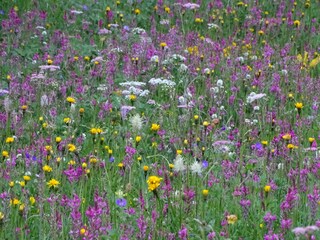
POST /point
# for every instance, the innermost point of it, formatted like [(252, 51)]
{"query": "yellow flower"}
[(155, 127), (171, 165), (138, 139), (145, 168), (205, 123), (24, 107), (167, 9), (71, 147), (32, 200), (163, 44), (71, 100), (196, 117), (49, 61), (265, 143), (132, 97), (26, 178), (47, 168), (84, 165), (205, 192), (15, 201), (76, 58), (5, 154), (137, 11), (296, 23), (48, 148), (22, 183), (58, 139), (53, 183), (95, 131), (299, 105), (291, 146), (21, 207), (153, 183), (72, 162), (87, 58), (311, 139), (287, 136), (81, 110), (231, 219), (11, 184), (120, 165), (93, 160), (82, 231), (179, 151), (67, 120), (1, 216), (9, 140), (314, 62), (267, 188)]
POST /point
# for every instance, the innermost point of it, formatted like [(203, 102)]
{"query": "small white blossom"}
[(178, 164), (136, 122), (196, 168)]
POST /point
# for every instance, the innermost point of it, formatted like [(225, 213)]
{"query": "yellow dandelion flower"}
[(71, 100), (71, 147), (155, 127), (9, 140), (205, 192), (153, 183), (53, 183), (299, 105), (267, 188), (231, 219), (47, 168)]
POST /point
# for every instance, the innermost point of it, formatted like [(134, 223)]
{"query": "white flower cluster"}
[(132, 83), (183, 68), (212, 25), (102, 87), (179, 166), (138, 30), (177, 57), (134, 87), (254, 96), (136, 91), (251, 122), (160, 81), (154, 58), (136, 122)]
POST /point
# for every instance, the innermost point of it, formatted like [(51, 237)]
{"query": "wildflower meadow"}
[(159, 119)]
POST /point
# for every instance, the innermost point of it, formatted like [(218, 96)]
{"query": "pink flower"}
[(191, 5)]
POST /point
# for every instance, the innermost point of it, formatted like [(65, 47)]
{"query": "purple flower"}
[(205, 164), (121, 202), (286, 223), (211, 235), (183, 233)]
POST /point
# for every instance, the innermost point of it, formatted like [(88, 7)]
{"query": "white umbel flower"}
[(196, 168), (178, 164), (136, 122)]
